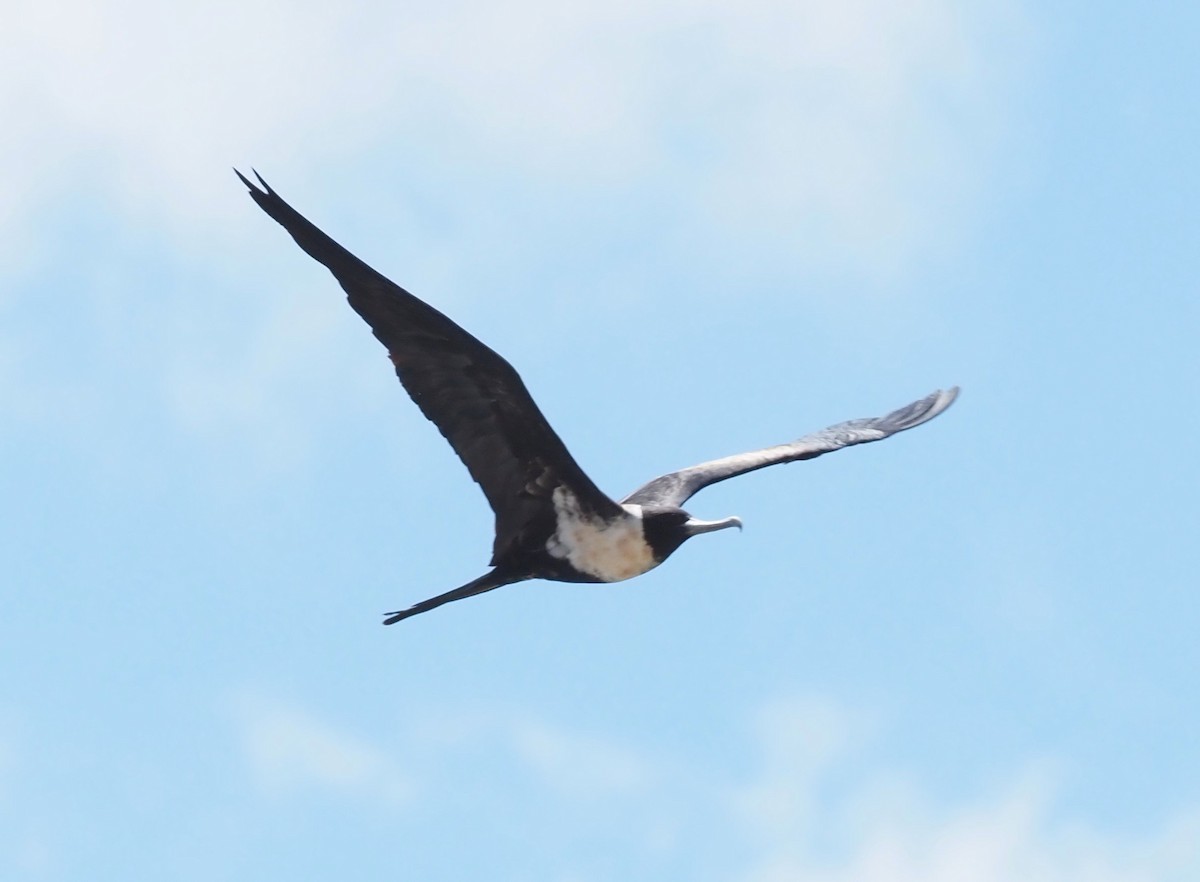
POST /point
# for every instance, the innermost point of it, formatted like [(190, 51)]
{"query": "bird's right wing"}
[(675, 488), (474, 397)]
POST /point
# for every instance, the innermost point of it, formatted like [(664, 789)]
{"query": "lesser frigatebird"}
[(552, 522)]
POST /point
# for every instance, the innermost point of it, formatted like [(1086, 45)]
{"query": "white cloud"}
[(815, 806), (578, 765), (152, 100), (1008, 837), (853, 121), (805, 824), (572, 764), (799, 740), (288, 749)]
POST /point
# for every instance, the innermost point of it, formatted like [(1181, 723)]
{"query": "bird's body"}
[(594, 549), (552, 522)]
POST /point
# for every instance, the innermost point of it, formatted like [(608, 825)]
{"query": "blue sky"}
[(966, 653)]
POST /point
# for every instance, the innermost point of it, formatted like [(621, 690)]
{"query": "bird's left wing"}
[(475, 398), (674, 488)]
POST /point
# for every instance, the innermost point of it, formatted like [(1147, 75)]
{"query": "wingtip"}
[(919, 412), (937, 402), (946, 397), (251, 186)]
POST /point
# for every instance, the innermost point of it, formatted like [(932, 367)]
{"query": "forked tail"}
[(486, 582)]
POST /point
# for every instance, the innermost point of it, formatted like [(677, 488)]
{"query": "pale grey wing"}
[(675, 488)]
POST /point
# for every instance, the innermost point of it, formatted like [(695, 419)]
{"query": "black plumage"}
[(552, 522)]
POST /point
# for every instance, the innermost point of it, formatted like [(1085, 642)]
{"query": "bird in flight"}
[(552, 522)]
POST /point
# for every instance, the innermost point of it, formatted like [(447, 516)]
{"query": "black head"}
[(668, 528)]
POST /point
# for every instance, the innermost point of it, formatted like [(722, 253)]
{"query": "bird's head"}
[(668, 528)]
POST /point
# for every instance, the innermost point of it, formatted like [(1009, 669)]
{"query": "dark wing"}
[(470, 393), (675, 488)]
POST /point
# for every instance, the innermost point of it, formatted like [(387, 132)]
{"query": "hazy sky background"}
[(967, 653)]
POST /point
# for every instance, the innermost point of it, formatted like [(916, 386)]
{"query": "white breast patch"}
[(608, 550)]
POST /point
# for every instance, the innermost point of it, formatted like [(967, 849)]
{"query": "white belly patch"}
[(608, 550)]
